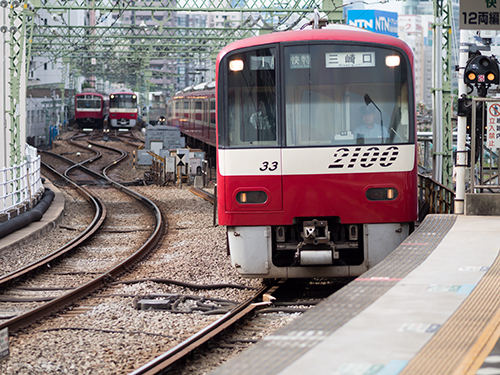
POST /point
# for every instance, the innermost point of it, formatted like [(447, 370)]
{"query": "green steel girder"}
[(116, 44), (443, 10), (19, 20), (66, 38)]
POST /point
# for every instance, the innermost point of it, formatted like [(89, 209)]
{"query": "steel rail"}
[(99, 217), (203, 194), (67, 299), (179, 352)]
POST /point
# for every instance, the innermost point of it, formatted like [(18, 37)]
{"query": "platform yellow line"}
[(461, 344), (481, 349)]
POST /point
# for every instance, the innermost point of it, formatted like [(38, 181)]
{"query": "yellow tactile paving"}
[(462, 343)]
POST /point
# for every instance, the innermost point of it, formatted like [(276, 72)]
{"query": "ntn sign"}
[(374, 20)]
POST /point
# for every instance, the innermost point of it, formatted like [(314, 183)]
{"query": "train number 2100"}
[(349, 158)]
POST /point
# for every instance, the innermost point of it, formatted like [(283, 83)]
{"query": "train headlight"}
[(236, 65), (392, 61), (381, 194), (251, 197)]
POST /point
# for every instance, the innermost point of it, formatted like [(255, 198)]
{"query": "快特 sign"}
[(480, 14)]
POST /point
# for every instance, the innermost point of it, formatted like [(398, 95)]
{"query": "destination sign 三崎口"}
[(350, 59)]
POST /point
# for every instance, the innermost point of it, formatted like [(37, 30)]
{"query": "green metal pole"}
[(334, 10)]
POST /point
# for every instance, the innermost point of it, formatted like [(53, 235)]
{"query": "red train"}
[(123, 110), (91, 109), (316, 151), (192, 110)]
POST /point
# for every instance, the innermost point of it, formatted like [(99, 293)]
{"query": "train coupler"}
[(316, 248)]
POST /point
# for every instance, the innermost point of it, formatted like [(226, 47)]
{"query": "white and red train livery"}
[(305, 186), (192, 110), (91, 109), (123, 110)]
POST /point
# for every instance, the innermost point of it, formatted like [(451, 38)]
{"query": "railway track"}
[(179, 353), (244, 325), (78, 289), (168, 333)]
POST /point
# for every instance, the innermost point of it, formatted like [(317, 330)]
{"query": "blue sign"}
[(374, 20)]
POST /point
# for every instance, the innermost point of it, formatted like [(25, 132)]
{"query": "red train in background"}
[(91, 109), (123, 110), (192, 110), (316, 149)]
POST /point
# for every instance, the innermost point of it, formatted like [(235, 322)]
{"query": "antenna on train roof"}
[(316, 22)]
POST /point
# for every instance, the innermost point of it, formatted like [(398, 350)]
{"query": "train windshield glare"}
[(123, 101), (334, 94)]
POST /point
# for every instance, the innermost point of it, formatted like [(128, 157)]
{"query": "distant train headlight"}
[(251, 197), (382, 194)]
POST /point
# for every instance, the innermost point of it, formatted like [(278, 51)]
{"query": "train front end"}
[(123, 112), (317, 172), (89, 110)]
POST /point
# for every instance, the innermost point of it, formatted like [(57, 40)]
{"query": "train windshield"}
[(123, 101), (331, 94), (88, 102), (338, 94)]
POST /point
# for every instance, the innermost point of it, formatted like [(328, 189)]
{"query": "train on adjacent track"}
[(123, 110), (91, 109), (316, 149), (192, 110)]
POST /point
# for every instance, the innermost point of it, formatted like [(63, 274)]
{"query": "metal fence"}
[(433, 197), (19, 184)]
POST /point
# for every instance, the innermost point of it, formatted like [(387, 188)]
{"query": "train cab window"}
[(338, 94), (251, 99), (88, 102)]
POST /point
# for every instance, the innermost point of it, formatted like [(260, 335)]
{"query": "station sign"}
[(479, 15), (374, 20), (493, 125)]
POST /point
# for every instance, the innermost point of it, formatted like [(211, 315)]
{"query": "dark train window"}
[(251, 115)]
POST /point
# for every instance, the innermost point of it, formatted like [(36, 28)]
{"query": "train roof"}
[(198, 87), (90, 92), (331, 32), (204, 86)]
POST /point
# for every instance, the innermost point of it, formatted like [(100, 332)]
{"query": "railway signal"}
[(482, 71)]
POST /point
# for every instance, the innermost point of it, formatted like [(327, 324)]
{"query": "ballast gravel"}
[(106, 333)]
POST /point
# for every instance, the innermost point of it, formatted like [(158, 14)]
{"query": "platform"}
[(431, 307), (35, 229)]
